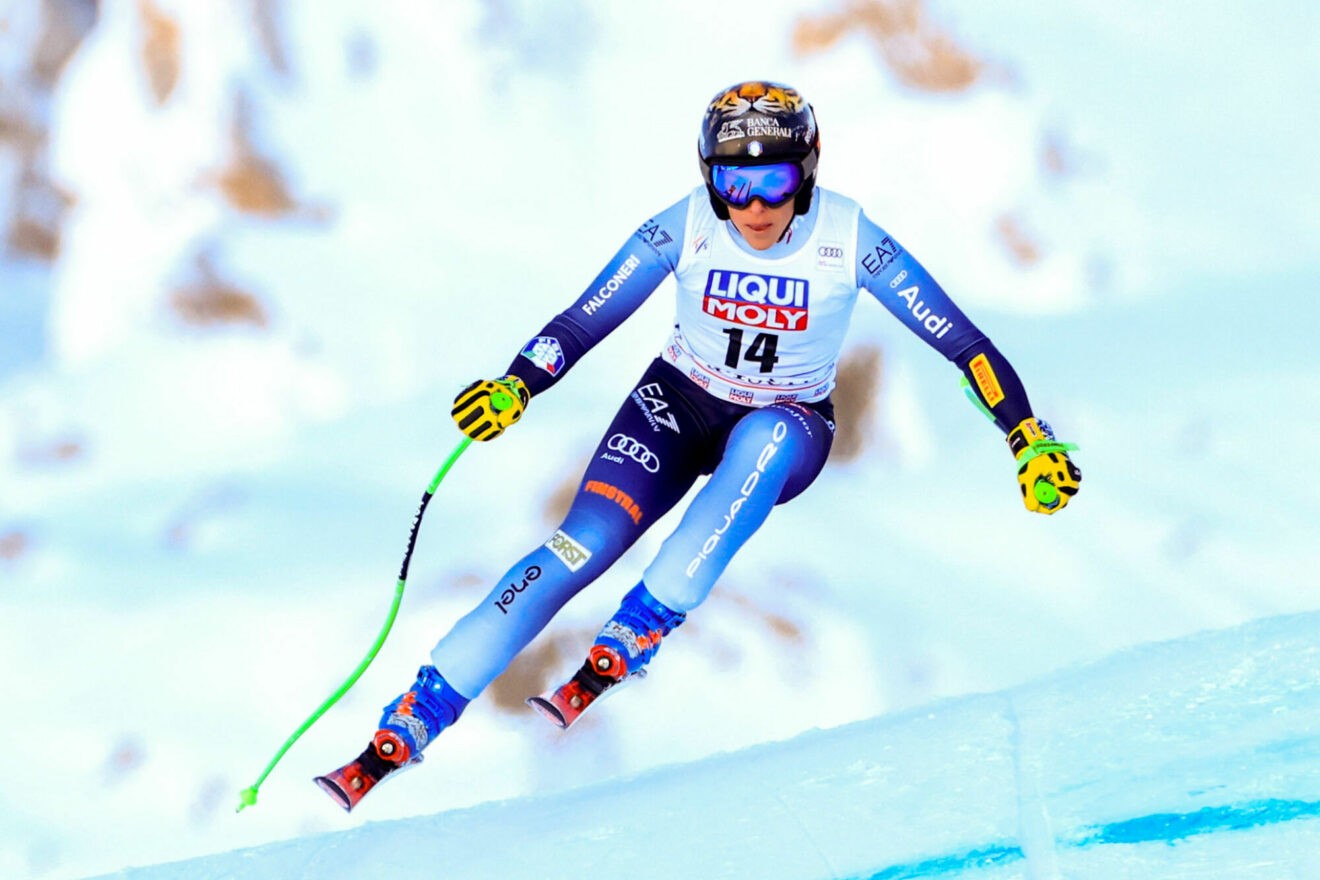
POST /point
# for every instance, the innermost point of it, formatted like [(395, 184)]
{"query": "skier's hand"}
[(485, 408), (1047, 477)]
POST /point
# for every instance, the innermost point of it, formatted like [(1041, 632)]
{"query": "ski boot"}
[(410, 722), (627, 643), (417, 717)]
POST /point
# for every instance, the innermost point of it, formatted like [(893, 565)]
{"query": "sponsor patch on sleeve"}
[(654, 234), (884, 254), (986, 380), (546, 353)]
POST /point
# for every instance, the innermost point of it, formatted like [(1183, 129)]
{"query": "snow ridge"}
[(1199, 752)]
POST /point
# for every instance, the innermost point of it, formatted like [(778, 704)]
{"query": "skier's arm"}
[(634, 273), (903, 286), (484, 409)]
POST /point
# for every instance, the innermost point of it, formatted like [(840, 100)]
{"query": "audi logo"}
[(625, 445), (835, 252)]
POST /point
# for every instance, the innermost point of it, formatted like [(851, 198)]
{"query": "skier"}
[(768, 269)]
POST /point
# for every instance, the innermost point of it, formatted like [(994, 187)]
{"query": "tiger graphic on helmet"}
[(764, 97)]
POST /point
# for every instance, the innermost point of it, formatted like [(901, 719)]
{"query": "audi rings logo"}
[(625, 445), (829, 256)]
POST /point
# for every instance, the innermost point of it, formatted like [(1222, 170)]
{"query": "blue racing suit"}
[(741, 391)]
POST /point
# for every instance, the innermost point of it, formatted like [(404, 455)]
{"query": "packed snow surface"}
[(1193, 758)]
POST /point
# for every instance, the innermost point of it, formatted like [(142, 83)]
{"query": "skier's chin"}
[(761, 227), (761, 235)]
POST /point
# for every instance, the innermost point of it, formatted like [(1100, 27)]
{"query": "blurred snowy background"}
[(249, 250)]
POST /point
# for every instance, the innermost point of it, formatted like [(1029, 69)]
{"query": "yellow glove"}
[(1047, 477), (485, 408)]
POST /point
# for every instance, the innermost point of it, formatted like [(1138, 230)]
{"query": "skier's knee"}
[(787, 439), (588, 537), (760, 437)]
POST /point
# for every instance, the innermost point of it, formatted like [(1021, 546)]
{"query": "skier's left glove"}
[(1047, 477), (485, 408)]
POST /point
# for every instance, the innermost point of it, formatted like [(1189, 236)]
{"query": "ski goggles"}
[(737, 185)]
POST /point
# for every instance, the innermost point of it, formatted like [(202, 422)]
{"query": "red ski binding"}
[(565, 704), (350, 783)]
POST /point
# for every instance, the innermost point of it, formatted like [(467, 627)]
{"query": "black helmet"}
[(759, 123)]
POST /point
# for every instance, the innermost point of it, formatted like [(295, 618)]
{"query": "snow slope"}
[(1196, 758)]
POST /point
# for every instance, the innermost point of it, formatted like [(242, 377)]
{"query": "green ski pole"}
[(248, 796), (499, 401)]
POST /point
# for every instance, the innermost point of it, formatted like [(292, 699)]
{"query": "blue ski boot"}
[(632, 636), (417, 717), (627, 643)]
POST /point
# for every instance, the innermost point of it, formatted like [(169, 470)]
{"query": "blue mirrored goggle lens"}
[(775, 184)]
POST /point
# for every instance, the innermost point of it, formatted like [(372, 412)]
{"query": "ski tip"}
[(337, 794), (549, 710)]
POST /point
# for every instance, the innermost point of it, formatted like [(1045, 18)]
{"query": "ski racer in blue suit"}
[(768, 268)]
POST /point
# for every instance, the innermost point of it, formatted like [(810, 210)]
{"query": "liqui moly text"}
[(754, 300)]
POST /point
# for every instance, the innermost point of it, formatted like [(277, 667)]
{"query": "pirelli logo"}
[(569, 551), (986, 380)]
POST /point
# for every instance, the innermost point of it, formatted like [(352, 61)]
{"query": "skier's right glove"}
[(1046, 475), (485, 408)]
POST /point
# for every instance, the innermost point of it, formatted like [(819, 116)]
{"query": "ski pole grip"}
[(1046, 492), (502, 400)]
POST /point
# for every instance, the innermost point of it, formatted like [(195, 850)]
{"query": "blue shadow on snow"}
[(1157, 827)]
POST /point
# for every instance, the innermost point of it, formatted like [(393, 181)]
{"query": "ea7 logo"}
[(651, 398), (652, 232), (754, 300), (884, 253)]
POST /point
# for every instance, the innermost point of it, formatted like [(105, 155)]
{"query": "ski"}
[(350, 783), (566, 703)]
